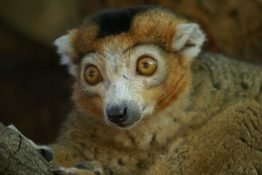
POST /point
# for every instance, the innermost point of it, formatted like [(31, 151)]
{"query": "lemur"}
[(140, 84)]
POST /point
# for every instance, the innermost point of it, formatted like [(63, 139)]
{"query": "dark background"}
[(35, 89)]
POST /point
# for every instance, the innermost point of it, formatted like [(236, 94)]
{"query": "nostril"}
[(123, 114)]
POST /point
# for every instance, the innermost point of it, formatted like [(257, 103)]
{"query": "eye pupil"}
[(145, 65), (91, 73)]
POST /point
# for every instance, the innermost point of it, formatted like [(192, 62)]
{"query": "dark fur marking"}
[(121, 162), (153, 139), (132, 139), (116, 21), (125, 77)]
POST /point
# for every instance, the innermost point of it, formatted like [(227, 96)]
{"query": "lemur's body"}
[(177, 98)]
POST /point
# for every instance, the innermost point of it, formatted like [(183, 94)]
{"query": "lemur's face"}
[(133, 64), (127, 80)]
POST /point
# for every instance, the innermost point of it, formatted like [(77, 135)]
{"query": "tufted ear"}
[(188, 40), (66, 51)]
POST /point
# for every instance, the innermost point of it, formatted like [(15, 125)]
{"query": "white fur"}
[(119, 90), (188, 34), (66, 52)]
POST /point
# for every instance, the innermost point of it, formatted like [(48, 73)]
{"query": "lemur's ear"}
[(188, 39), (66, 51)]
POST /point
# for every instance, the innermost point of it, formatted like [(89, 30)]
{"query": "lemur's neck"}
[(158, 129)]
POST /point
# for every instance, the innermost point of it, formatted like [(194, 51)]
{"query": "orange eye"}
[(92, 75), (146, 65)]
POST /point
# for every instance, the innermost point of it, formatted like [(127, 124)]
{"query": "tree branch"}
[(18, 157)]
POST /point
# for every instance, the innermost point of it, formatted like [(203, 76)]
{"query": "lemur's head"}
[(130, 63)]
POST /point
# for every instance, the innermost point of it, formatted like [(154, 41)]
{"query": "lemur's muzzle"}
[(124, 114)]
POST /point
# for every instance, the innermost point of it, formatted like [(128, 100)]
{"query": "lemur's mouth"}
[(123, 115), (126, 125)]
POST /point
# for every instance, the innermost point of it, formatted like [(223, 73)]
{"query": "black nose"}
[(117, 114)]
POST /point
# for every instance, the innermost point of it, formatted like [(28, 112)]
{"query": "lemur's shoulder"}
[(218, 79), (223, 67)]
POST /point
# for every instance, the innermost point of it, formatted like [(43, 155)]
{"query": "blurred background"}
[(35, 89)]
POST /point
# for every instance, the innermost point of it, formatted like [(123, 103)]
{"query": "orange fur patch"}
[(90, 104), (177, 82)]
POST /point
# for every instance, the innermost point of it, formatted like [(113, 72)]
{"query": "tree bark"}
[(18, 157)]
